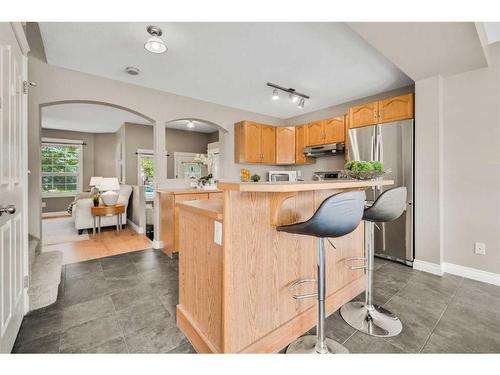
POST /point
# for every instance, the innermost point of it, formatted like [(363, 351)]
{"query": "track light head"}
[(276, 95), (294, 98), (301, 103)]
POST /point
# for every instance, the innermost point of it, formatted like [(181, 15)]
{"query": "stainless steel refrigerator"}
[(391, 144)]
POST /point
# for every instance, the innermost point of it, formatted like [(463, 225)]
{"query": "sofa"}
[(83, 219)]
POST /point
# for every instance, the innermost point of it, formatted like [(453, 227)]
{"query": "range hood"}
[(323, 150)]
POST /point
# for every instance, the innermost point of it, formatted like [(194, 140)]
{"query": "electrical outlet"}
[(218, 232), (480, 248)]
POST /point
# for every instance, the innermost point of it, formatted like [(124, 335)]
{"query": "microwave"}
[(277, 176)]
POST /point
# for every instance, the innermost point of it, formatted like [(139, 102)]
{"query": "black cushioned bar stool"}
[(366, 317), (337, 216)]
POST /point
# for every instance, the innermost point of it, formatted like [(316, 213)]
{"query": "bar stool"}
[(337, 216), (366, 317)]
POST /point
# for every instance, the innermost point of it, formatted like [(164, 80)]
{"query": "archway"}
[(77, 116), (199, 136)]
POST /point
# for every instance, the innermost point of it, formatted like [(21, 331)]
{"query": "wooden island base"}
[(234, 298)]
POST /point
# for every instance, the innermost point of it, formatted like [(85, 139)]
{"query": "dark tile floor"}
[(126, 304)]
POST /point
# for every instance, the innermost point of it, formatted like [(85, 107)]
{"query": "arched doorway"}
[(82, 140), (188, 137)]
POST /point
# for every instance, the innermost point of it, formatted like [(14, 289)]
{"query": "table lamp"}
[(109, 185), (94, 183)]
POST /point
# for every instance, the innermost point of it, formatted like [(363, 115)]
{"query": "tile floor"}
[(126, 304)]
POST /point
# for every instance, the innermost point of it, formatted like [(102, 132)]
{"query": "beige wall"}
[(471, 166), (104, 154), (136, 136), (184, 141), (428, 169), (57, 84)]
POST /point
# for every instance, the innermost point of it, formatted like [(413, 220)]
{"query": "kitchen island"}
[(233, 286)]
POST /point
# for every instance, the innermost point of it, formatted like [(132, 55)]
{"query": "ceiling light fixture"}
[(190, 124), (293, 95), (276, 95), (155, 44)]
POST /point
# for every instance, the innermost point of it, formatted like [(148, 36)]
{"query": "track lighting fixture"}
[(292, 94)]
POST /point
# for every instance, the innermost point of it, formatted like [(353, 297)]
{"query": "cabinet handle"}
[(374, 114)]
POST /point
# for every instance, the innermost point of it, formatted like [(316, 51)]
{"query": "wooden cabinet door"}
[(334, 129), (247, 142), (363, 115), (300, 143), (285, 145), (395, 109), (268, 144), (315, 133)]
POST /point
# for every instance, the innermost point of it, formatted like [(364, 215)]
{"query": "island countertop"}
[(296, 186)]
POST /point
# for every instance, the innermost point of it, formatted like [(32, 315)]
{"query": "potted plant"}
[(255, 178), (95, 199)]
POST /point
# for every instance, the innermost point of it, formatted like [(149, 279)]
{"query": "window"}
[(61, 169), (146, 171)]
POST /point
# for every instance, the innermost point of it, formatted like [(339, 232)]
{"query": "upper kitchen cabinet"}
[(363, 115), (395, 109), (334, 129), (254, 143), (322, 132), (300, 143), (386, 110), (285, 144), (315, 133), (268, 144)]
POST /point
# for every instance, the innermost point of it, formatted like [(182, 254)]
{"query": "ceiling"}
[(426, 49), (230, 63), (90, 118), (492, 30), (199, 126)]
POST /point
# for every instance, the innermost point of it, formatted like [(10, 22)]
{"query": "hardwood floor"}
[(108, 242)]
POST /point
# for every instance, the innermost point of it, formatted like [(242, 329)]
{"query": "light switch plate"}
[(218, 232)]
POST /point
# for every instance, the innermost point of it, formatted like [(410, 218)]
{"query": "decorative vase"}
[(109, 198)]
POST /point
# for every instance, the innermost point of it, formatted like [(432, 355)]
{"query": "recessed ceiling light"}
[(155, 44), (190, 124), (132, 70)]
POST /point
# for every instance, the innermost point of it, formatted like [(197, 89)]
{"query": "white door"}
[(13, 177)]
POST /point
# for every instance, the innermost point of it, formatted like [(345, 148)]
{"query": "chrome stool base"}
[(307, 345), (374, 321)]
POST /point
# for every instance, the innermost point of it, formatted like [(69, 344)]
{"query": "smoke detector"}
[(132, 70)]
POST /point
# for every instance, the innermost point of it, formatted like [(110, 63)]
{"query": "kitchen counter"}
[(188, 191), (211, 208), (270, 187), (235, 267)]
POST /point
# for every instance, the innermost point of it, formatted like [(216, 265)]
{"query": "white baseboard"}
[(55, 213), (455, 269), (157, 244), (135, 227), (429, 267), (472, 273)]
